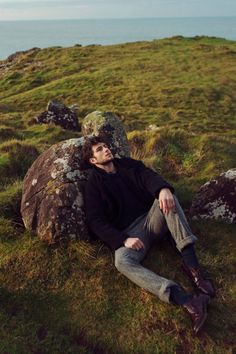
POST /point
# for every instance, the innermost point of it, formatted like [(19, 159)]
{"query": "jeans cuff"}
[(165, 290), (185, 242)]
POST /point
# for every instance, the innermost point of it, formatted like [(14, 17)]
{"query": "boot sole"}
[(200, 325)]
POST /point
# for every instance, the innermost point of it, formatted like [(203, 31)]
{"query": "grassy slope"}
[(73, 300)]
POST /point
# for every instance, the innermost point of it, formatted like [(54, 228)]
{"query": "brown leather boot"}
[(197, 308), (203, 284)]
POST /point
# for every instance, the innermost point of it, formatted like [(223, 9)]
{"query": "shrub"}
[(6, 132), (19, 156), (7, 230), (10, 200)]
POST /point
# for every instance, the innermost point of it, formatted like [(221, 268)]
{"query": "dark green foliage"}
[(19, 156), (6, 132), (10, 198)]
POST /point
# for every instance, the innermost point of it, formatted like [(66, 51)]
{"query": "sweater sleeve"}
[(151, 180), (96, 219)]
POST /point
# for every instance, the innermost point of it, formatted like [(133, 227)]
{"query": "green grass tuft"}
[(18, 157)]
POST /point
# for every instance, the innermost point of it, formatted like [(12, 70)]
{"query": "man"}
[(129, 207)]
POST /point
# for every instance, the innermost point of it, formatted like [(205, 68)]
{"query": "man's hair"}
[(87, 151)]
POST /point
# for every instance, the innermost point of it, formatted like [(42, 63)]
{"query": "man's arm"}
[(157, 186), (97, 221), (166, 200)]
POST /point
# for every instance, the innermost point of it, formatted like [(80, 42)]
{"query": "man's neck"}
[(109, 168)]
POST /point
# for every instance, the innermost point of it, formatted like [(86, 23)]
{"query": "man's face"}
[(102, 155)]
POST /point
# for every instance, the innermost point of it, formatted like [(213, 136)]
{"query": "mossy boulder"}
[(52, 201), (109, 125), (216, 199)]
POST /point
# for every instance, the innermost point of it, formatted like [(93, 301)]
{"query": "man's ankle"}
[(178, 296), (189, 256)]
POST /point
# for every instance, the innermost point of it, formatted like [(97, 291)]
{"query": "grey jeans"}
[(151, 227)]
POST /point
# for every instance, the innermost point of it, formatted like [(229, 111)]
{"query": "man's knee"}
[(124, 258)]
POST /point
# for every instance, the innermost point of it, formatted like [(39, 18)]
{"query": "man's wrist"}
[(165, 188)]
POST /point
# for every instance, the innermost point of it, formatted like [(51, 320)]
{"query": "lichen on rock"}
[(107, 124), (57, 113), (216, 199), (53, 206)]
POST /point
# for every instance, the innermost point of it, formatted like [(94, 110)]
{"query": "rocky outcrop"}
[(107, 124), (22, 57), (57, 113), (216, 199), (52, 202), (14, 57)]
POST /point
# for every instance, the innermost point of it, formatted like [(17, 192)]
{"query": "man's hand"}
[(166, 200), (134, 243)]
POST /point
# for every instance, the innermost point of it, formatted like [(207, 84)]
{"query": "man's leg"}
[(128, 260), (176, 222)]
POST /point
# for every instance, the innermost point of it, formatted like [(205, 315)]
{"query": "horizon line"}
[(115, 18)]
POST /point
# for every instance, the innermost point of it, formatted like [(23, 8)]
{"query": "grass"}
[(120, 318), (176, 99)]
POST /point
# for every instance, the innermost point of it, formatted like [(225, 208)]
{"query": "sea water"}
[(23, 35)]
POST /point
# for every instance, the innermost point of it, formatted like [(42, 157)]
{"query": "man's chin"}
[(107, 162)]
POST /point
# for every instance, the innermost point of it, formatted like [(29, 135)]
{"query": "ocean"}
[(23, 35)]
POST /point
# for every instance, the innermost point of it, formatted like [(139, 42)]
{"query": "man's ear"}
[(92, 160)]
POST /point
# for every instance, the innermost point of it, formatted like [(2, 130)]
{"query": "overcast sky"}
[(75, 9)]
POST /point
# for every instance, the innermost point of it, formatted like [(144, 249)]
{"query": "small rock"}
[(57, 113), (216, 199), (153, 127)]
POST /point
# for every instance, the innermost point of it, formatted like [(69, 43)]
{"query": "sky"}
[(82, 9)]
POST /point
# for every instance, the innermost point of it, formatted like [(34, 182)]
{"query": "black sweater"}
[(112, 202), (132, 204)]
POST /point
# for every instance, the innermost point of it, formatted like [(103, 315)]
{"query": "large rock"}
[(107, 124), (52, 203), (216, 199), (57, 113)]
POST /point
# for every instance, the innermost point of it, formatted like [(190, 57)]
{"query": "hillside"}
[(177, 100)]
